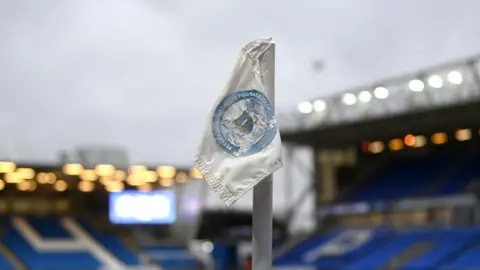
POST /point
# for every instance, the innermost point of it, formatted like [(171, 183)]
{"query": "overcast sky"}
[(145, 73)]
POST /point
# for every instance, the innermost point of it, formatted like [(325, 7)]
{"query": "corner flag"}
[(241, 144)]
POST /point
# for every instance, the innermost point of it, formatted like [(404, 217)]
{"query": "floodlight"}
[(455, 77), (365, 96), (349, 99), (305, 107), (416, 85), (319, 105), (435, 81), (381, 92)]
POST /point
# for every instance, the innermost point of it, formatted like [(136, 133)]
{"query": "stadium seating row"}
[(417, 176), (65, 243), (366, 249)]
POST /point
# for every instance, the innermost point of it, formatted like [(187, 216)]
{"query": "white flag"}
[(241, 143)]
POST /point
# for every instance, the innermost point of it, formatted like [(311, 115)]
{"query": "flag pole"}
[(262, 219), (262, 225)]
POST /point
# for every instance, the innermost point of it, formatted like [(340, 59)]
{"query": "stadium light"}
[(410, 140), (13, 177), (349, 99), (72, 169), (105, 169), (60, 186), (319, 105), (134, 180), (455, 77), (435, 81), (114, 186), (166, 171), (181, 177), (381, 92), (463, 134), (7, 167), (305, 107), (439, 138), (166, 182), (42, 178), (86, 186), (2, 184), (149, 176), (137, 169), (416, 85), (376, 147), (395, 144), (26, 173), (194, 173), (420, 141), (51, 178), (365, 97), (88, 175), (120, 175), (144, 187)]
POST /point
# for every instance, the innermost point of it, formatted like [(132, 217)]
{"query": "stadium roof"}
[(430, 100)]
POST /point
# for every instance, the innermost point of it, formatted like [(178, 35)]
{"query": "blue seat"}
[(34, 259), (113, 244)]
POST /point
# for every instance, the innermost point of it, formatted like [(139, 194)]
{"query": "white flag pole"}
[(262, 220)]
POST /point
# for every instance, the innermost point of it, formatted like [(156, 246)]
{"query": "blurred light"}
[(13, 177), (365, 146), (376, 147), (207, 247), (455, 77), (23, 185), (42, 178), (26, 173), (381, 92), (319, 105), (181, 177), (51, 178), (194, 173), (410, 140), (105, 180), (416, 85), (7, 167), (137, 169), (145, 187), (420, 141), (166, 171), (72, 169), (115, 186), (2, 184), (395, 144), (349, 99), (463, 134), (120, 175), (365, 97), (27, 185), (85, 186), (105, 169), (439, 138), (305, 107), (149, 176), (166, 182), (60, 185), (134, 180), (88, 175), (435, 81)]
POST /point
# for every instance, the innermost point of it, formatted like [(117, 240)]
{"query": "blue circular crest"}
[(243, 123)]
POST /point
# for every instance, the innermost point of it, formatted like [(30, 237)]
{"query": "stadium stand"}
[(397, 181), (385, 249), (53, 243)]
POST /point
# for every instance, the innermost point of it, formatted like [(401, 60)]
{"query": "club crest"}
[(244, 123)]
